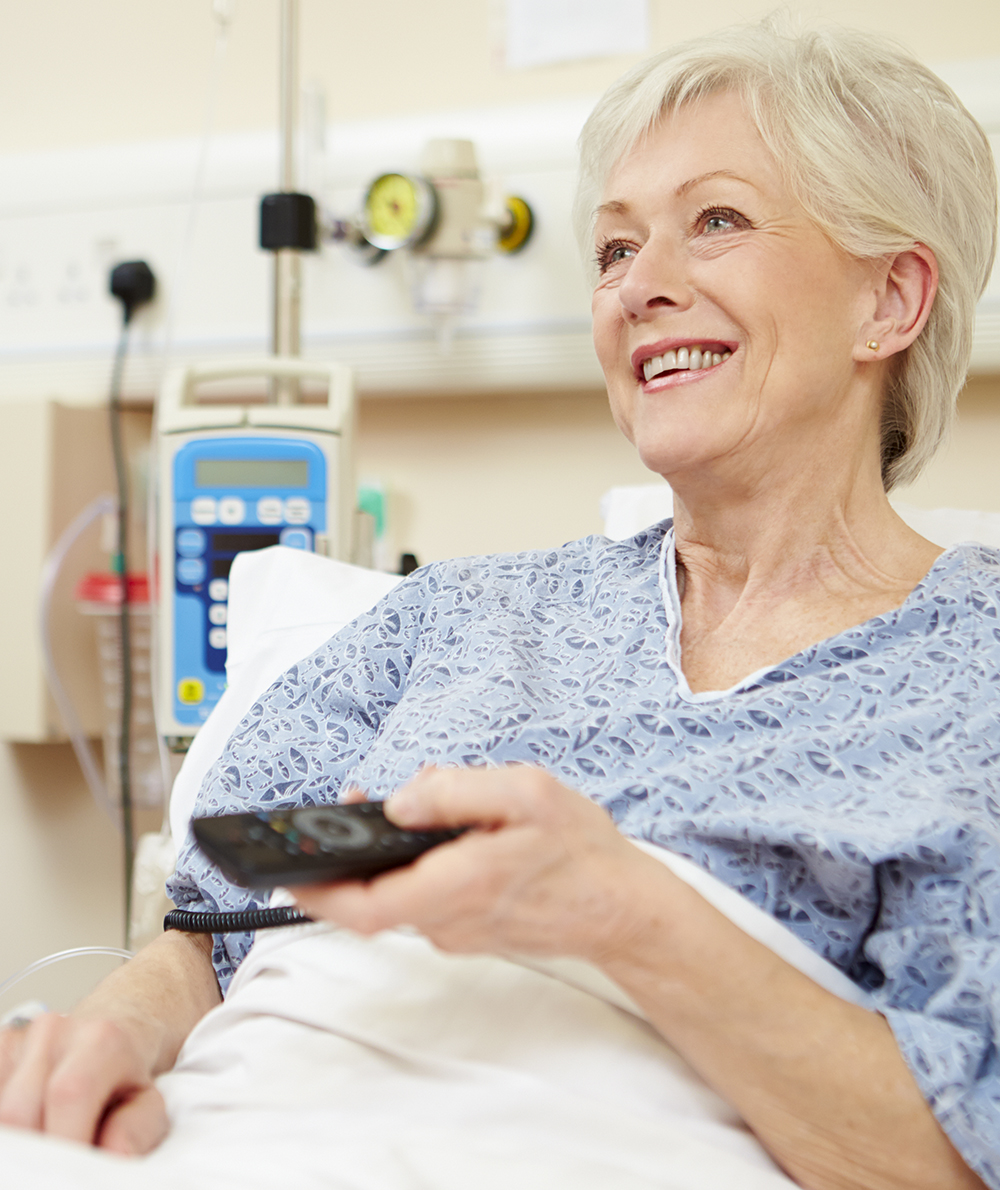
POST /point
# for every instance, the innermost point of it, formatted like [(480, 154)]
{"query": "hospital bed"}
[(341, 1062)]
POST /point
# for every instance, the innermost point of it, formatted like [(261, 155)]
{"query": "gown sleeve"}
[(300, 741), (937, 945)]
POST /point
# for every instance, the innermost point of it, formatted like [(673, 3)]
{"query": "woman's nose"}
[(654, 281)]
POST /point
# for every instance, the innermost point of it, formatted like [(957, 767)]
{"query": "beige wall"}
[(62, 872), (464, 475), (107, 70), (477, 474), (966, 472)]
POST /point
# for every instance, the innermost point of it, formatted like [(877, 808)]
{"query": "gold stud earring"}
[(872, 345)]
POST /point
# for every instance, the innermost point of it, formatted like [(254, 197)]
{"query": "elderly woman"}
[(785, 683)]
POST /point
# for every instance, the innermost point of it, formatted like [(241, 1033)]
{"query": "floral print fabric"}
[(851, 791)]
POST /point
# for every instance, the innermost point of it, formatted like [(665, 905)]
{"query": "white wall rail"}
[(65, 217)]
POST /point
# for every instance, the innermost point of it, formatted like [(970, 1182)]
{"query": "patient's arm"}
[(88, 1076), (821, 1082)]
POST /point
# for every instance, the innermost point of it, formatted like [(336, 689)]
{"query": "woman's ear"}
[(903, 298)]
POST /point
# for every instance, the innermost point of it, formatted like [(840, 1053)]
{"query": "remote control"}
[(311, 844)]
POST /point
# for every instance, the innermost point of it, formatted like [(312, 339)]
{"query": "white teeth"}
[(693, 359)]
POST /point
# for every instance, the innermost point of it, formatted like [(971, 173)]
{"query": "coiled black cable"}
[(232, 923)]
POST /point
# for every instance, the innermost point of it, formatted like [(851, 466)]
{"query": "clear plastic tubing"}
[(113, 951), (51, 568)]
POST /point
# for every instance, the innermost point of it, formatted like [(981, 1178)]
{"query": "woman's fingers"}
[(34, 1050), (476, 797), (11, 1044), (65, 1074), (482, 798), (542, 870), (136, 1125), (12, 1041), (97, 1068), (403, 896)]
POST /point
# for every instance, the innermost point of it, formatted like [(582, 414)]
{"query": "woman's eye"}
[(613, 252), (716, 219)]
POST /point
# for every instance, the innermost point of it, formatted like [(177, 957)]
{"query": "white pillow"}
[(626, 510), (283, 604), (949, 526)]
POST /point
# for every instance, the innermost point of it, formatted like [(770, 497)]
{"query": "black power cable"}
[(124, 627), (133, 284)]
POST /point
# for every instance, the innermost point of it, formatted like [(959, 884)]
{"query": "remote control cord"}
[(232, 923)]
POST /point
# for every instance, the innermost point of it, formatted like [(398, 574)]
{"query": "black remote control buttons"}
[(310, 844)]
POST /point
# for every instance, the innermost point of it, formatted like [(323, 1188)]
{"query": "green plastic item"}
[(371, 499)]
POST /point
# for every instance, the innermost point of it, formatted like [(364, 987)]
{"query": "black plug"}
[(133, 284)]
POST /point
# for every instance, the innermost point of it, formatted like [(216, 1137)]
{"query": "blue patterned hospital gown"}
[(850, 791)]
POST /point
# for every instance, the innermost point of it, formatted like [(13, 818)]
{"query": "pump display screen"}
[(251, 473), (225, 543)]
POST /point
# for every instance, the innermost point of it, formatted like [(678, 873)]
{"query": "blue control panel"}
[(232, 494)]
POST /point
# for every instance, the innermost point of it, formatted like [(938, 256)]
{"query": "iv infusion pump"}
[(236, 477)]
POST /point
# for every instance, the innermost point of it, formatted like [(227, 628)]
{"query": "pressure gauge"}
[(399, 211), (516, 226)]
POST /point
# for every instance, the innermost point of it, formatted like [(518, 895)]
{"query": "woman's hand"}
[(541, 870), (89, 1076), (82, 1078)]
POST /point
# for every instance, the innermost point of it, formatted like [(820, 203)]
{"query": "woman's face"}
[(725, 321)]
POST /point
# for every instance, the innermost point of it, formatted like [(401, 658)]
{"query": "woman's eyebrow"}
[(616, 207), (690, 184)]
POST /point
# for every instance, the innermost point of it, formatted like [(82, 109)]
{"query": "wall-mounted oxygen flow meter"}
[(447, 219), (399, 211), (237, 477), (444, 212)]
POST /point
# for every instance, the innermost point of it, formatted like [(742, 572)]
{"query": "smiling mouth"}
[(684, 359)]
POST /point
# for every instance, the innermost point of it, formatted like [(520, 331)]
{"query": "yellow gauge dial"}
[(517, 226), (398, 210)]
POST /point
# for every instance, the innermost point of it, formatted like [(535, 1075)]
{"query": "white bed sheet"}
[(344, 1063), (339, 1062)]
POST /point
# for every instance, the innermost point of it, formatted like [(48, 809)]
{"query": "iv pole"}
[(288, 219), (287, 261)]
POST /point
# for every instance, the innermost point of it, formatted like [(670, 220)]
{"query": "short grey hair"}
[(881, 154)]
